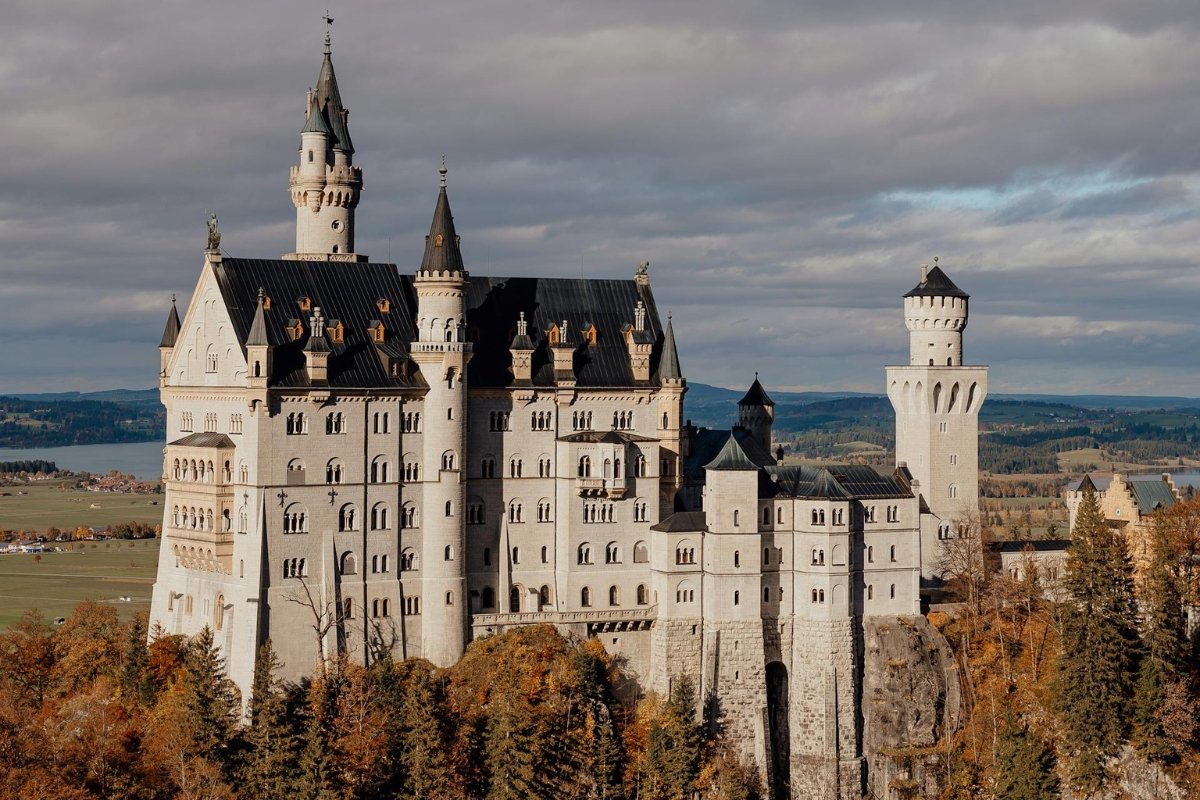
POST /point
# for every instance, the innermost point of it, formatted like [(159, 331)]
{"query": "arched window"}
[(953, 491), (514, 600), (779, 515), (640, 554), (543, 597), (408, 515), (614, 596), (736, 513), (766, 516), (379, 517), (348, 518), (449, 460), (585, 467), (449, 508), (295, 519), (685, 552), (685, 592), (893, 591), (870, 592), (585, 597), (737, 558), (516, 467), (379, 470), (892, 553), (612, 553), (408, 560), (516, 555), (349, 564), (448, 553), (642, 595), (516, 511), (584, 554), (737, 597)]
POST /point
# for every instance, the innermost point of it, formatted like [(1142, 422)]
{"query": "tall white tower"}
[(937, 401), (325, 184), (442, 353)]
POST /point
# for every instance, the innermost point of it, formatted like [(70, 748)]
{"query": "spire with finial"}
[(441, 245), (257, 337), (171, 331), (668, 368)]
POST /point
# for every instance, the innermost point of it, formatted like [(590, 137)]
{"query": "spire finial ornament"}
[(214, 236), (261, 294), (172, 298), (328, 24), (442, 173)]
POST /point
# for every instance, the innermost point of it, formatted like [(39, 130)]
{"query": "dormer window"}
[(589, 334), (553, 335), (437, 240), (305, 303), (384, 305), (376, 330), (336, 331), (295, 329), (266, 302)]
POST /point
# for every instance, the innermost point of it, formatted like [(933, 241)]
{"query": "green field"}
[(49, 504), (104, 571)]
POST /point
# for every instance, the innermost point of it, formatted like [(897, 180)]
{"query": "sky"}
[(785, 167)]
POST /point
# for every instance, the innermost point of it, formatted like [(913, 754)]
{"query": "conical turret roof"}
[(329, 100), (171, 331), (936, 284), (756, 395), (257, 337), (441, 245), (731, 457), (669, 365), (316, 120)]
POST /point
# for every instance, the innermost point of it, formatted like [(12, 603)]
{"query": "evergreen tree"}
[(137, 686), (425, 764), (683, 762), (512, 750), (1100, 646), (1166, 645), (316, 769), (211, 698), (269, 763), (1025, 766)]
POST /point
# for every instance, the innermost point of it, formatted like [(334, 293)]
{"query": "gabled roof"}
[(171, 331), (441, 245), (668, 366), (1151, 494), (833, 481), (936, 284), (605, 437), (756, 396), (732, 457)]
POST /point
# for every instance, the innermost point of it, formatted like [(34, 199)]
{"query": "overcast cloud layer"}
[(784, 166)]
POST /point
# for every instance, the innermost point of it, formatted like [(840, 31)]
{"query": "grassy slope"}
[(46, 504)]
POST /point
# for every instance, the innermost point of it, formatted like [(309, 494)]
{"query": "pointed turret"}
[(756, 414), (325, 185), (731, 457), (258, 348), (756, 395), (441, 245), (668, 367), (171, 331), (258, 328)]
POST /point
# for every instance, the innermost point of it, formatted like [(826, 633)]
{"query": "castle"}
[(363, 458)]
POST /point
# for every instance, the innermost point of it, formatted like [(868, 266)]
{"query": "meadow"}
[(54, 504), (55, 582)]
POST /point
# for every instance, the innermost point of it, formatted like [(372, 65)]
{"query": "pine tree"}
[(137, 686), (1100, 646), (316, 769), (211, 698), (683, 759), (513, 748), (1166, 645), (425, 764), (269, 764), (1025, 766)]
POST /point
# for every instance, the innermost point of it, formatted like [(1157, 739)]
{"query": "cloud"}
[(785, 168)]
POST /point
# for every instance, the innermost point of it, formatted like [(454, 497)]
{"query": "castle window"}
[(449, 508), (585, 597), (487, 468), (412, 606), (543, 597), (412, 469), (685, 553), (893, 591), (516, 467), (640, 553), (449, 461), (379, 517), (448, 553), (869, 514), (685, 593), (408, 560), (211, 363), (736, 515), (766, 516), (639, 511), (487, 556), (818, 557), (333, 471), (408, 515), (584, 554), (347, 518), (737, 598), (516, 511), (952, 491), (543, 510), (870, 554), (487, 598), (941, 427), (870, 592), (892, 553), (954, 459), (585, 467), (766, 594), (642, 594), (544, 467), (838, 516), (335, 423), (449, 598), (310, 156), (614, 596), (379, 470), (475, 512), (349, 564), (297, 423), (348, 608), (295, 519), (545, 555), (766, 556), (612, 553)]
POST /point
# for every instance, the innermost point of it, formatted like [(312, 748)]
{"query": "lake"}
[(141, 459)]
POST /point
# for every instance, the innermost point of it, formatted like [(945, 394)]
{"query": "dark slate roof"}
[(330, 101), (1038, 545), (171, 331), (833, 481), (1151, 494), (709, 441), (668, 366), (681, 522), (441, 245), (204, 440), (936, 284), (608, 437), (732, 457), (493, 304), (349, 292), (315, 123), (756, 396)]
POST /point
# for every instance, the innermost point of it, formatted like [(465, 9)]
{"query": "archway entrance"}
[(781, 751)]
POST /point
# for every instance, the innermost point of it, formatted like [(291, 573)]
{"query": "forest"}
[(92, 711), (52, 423)]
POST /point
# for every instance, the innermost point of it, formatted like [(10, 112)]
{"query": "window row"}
[(201, 519), (612, 553), (297, 423), (871, 592), (641, 597), (200, 471), (612, 469)]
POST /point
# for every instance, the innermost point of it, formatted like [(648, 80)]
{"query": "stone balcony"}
[(590, 487), (440, 347), (589, 621)]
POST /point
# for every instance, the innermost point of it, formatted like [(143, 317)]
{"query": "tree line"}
[(99, 709)]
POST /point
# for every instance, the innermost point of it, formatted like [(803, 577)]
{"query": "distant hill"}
[(107, 396)]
